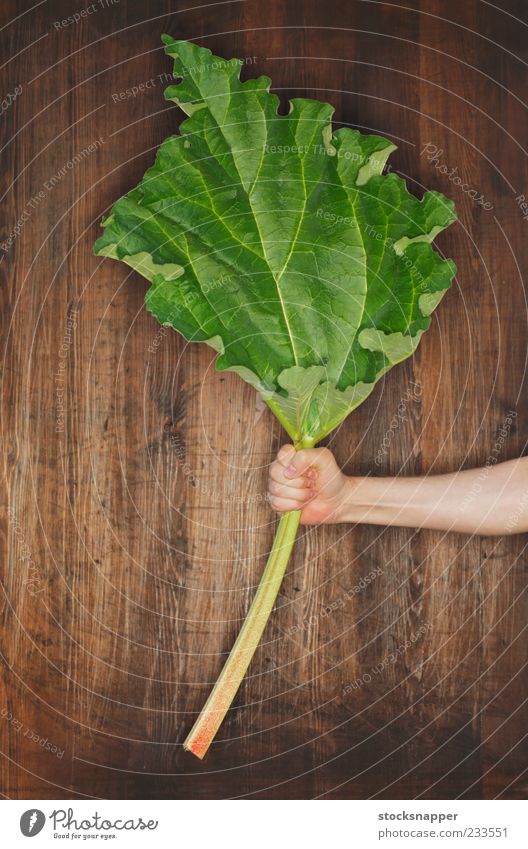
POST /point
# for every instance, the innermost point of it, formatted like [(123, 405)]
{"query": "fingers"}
[(286, 455), (284, 505), (296, 476), (276, 473), (284, 490)]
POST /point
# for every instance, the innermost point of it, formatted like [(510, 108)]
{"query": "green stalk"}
[(226, 687)]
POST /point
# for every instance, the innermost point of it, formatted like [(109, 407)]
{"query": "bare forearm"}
[(490, 501)]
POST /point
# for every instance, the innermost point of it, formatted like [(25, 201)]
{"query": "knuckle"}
[(285, 451)]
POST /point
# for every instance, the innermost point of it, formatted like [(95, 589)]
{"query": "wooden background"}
[(132, 539)]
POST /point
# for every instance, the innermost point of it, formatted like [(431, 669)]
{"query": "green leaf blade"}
[(281, 243)]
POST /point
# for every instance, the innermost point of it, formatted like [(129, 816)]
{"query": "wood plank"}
[(134, 528)]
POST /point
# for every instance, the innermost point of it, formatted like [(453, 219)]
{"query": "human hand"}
[(309, 480)]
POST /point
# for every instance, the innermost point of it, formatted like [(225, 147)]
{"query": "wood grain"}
[(134, 527)]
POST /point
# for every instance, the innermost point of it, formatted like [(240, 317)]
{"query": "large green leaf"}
[(280, 243)]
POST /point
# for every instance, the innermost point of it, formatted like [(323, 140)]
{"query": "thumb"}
[(305, 459)]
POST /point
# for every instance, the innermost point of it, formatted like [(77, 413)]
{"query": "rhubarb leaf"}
[(280, 243)]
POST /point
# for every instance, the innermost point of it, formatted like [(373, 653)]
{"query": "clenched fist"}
[(309, 480)]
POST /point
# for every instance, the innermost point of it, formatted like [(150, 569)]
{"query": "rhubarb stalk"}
[(226, 687)]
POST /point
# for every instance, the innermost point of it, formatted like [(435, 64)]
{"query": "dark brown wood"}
[(132, 538)]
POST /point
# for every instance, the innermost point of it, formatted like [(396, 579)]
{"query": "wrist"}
[(365, 500), (353, 500), (384, 501)]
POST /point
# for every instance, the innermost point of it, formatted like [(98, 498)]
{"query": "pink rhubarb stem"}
[(225, 689)]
